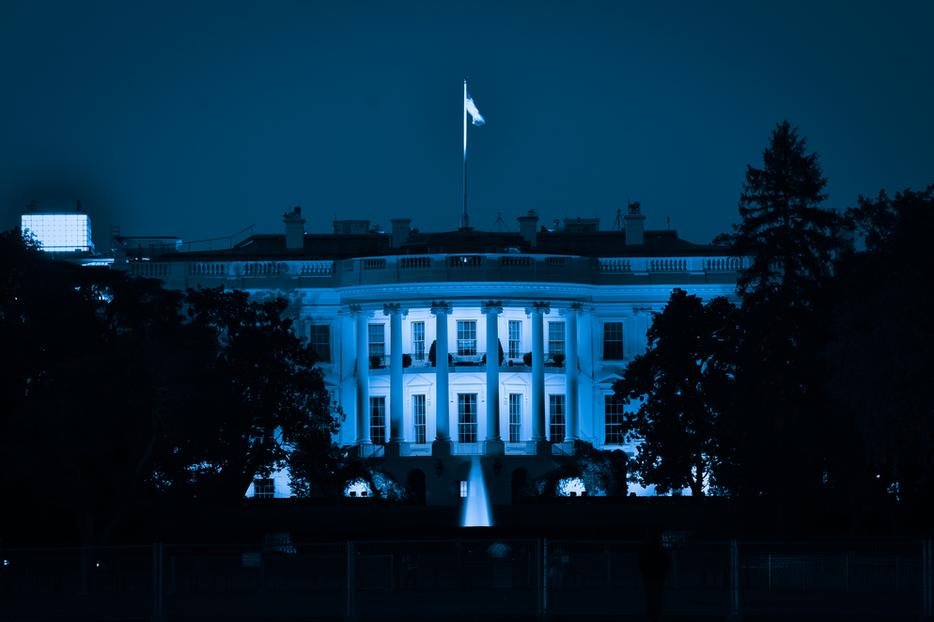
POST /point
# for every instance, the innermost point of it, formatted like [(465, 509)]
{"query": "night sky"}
[(198, 119)]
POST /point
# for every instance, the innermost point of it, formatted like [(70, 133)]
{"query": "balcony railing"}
[(447, 268)]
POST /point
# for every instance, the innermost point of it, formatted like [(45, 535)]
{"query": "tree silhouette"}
[(880, 350), (115, 403), (681, 385), (259, 394), (777, 437)]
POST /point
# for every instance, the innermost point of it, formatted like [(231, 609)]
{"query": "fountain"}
[(477, 505)]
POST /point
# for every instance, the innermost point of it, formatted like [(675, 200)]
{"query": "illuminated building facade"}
[(534, 328), (59, 232)]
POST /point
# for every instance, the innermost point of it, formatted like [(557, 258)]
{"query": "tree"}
[(681, 384), (778, 436), (258, 396), (790, 239), (880, 348), (115, 403), (81, 395)]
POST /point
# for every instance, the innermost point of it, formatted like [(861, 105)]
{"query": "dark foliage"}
[(116, 402), (778, 437), (882, 338), (682, 385)]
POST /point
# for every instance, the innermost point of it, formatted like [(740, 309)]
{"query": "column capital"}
[(577, 306), (354, 309), (440, 307), (393, 308), (539, 306), (492, 306)]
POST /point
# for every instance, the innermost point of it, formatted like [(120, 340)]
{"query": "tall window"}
[(319, 336), (467, 417), (418, 410), (515, 417), (466, 337), (613, 341), (515, 339), (378, 420), (418, 341), (614, 415), (555, 338), (377, 340), (556, 418), (264, 488)]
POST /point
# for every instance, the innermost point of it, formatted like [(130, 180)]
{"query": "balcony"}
[(445, 268)]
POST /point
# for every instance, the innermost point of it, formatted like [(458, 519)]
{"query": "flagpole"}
[(464, 222)]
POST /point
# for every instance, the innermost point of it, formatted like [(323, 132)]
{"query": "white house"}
[(385, 311)]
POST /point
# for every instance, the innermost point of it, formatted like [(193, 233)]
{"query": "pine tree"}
[(779, 431), (790, 238)]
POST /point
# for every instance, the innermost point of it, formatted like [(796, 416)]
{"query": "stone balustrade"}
[(444, 268)]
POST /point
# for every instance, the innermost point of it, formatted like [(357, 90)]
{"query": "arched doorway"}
[(416, 486)]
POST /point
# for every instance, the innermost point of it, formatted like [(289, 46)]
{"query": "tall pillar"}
[(537, 311), (571, 371), (442, 442), (494, 443), (363, 375), (395, 313)]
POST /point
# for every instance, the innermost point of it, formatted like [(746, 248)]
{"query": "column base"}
[(441, 447), (542, 448), (495, 447), (364, 449)]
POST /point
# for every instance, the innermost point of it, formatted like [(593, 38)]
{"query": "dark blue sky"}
[(198, 119)]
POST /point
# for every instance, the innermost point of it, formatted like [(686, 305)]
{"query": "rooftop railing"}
[(446, 268)]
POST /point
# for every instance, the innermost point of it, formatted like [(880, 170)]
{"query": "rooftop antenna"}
[(500, 224), (618, 223)]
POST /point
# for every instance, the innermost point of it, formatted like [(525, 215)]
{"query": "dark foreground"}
[(474, 577)]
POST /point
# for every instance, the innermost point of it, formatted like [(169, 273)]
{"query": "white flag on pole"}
[(475, 116)]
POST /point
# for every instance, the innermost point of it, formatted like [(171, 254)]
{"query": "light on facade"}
[(59, 232)]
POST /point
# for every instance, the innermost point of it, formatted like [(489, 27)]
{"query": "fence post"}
[(351, 609), (926, 579), (158, 560), (734, 581), (544, 605)]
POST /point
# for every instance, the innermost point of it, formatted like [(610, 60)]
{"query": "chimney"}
[(400, 231), (294, 229), (528, 228), (635, 225)]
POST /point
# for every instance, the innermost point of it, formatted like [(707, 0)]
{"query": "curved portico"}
[(486, 400)]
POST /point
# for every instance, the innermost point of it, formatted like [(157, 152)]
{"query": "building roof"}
[(375, 244)]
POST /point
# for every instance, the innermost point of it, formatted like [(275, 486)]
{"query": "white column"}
[(537, 312), (571, 371), (395, 313), (442, 443), (494, 444), (363, 376)]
